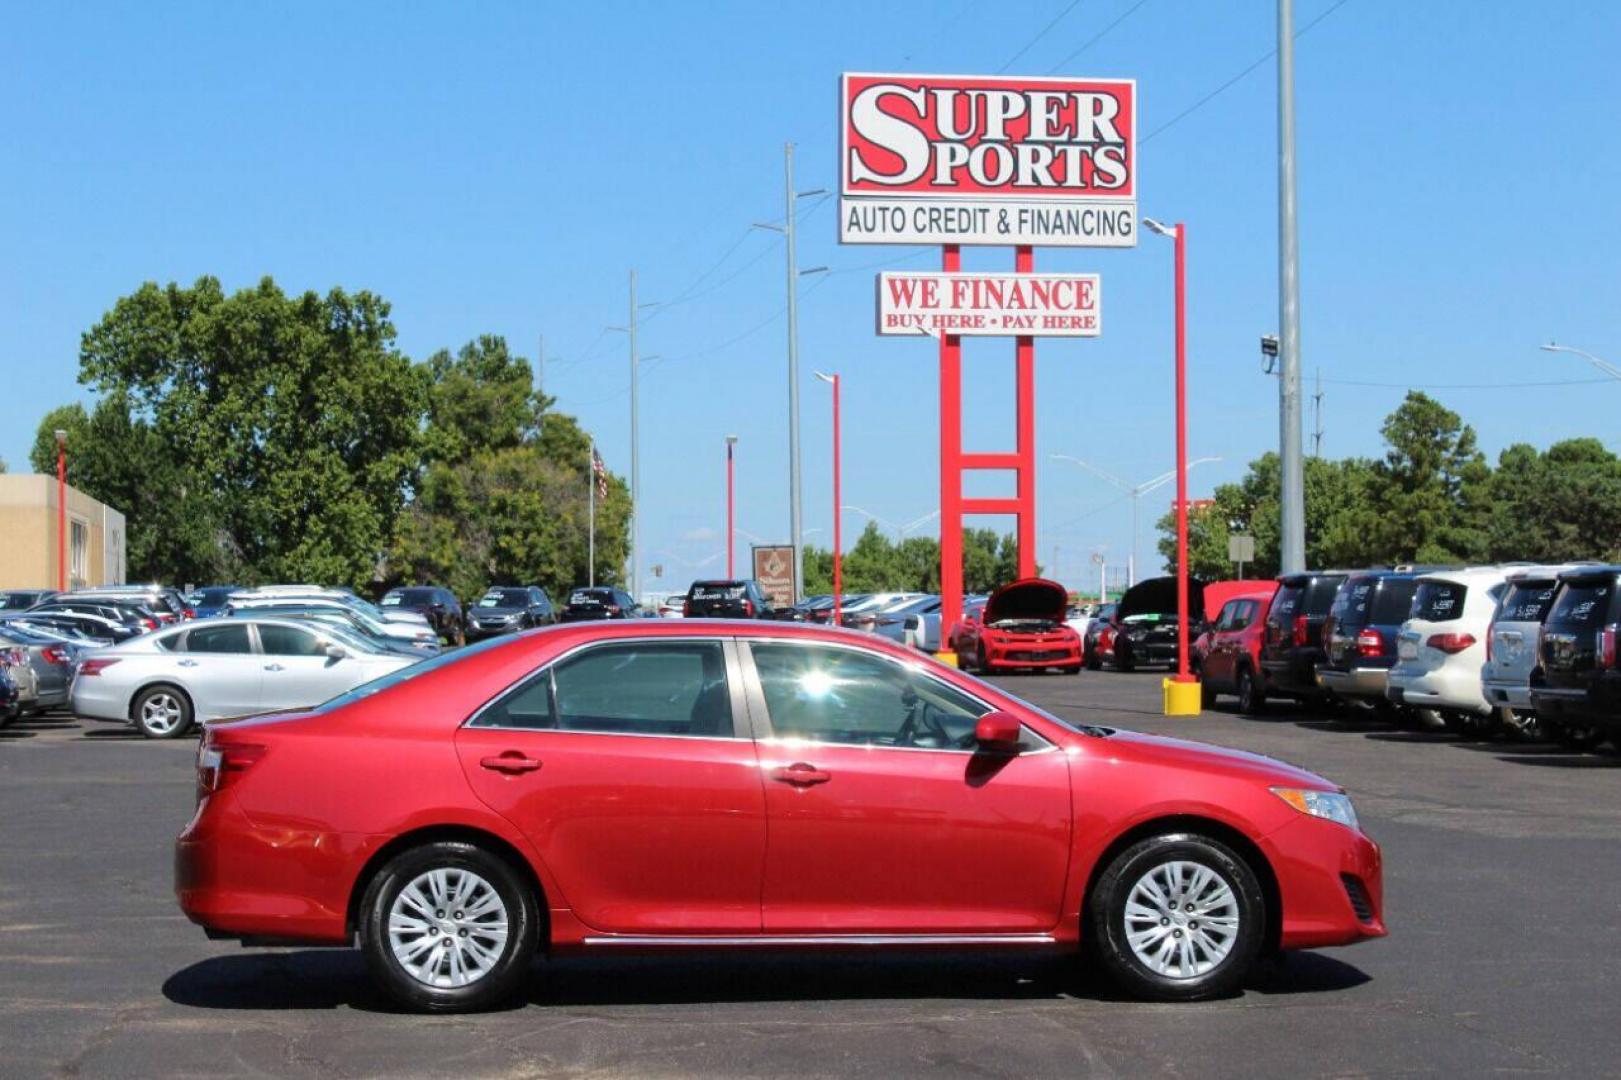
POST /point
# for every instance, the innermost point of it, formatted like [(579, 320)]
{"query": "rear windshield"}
[(718, 590), (590, 597), (1439, 601), (1394, 601), (18, 599), (1284, 604), (1582, 604), (1351, 602), (1527, 601), (1320, 595)]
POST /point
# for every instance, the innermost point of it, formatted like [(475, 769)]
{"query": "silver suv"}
[(1511, 645)]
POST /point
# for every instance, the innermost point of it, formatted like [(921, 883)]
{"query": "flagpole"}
[(591, 494)]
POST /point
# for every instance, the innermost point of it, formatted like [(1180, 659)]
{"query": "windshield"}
[(18, 599), (411, 671), (719, 590), (505, 598)]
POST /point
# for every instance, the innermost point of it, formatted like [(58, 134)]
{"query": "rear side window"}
[(1351, 602), (1394, 602), (289, 641), (219, 639), (678, 688), (1583, 604), (1528, 601), (1439, 601)]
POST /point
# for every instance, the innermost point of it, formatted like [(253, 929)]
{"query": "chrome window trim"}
[(728, 647)]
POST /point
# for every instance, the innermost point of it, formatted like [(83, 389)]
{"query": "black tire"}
[(1072, 669), (162, 712), (982, 662), (1123, 660), (1251, 694), (1207, 695), (1574, 737), (503, 979), (1107, 926), (1092, 662)]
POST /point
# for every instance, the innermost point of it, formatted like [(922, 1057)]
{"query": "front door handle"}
[(512, 761), (800, 774), (188, 663), (274, 667)]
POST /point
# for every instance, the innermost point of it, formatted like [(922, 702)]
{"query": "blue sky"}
[(497, 168)]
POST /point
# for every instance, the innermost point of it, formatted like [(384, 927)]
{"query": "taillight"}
[(748, 607), (1302, 630), (218, 762), (1606, 646), (189, 613), (1370, 642), (613, 609), (1450, 643), (54, 654), (150, 624), (686, 609), (95, 665)]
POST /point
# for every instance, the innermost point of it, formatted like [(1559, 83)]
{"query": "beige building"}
[(28, 536)]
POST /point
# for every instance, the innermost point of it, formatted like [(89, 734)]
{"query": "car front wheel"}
[(1251, 697), (1177, 917), (448, 927)]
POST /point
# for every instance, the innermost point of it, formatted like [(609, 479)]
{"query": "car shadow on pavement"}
[(317, 979), (113, 734)]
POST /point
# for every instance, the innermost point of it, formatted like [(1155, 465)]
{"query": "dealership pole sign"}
[(989, 305), (968, 159)]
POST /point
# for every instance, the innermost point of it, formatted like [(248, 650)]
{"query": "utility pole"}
[(794, 522), (1317, 417), (540, 382), (635, 461), (1293, 511)]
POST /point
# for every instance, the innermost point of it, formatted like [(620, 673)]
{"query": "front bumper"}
[(476, 632), (1331, 883), (1357, 682), (1016, 653)]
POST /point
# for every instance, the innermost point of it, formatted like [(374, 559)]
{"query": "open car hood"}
[(1157, 596), (1027, 598)]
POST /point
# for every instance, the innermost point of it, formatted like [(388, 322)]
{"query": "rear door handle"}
[(800, 774), (188, 663), (512, 761), (274, 667)]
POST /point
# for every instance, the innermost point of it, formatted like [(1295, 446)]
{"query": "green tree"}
[(283, 430), (1556, 506), (877, 564), (1430, 492)]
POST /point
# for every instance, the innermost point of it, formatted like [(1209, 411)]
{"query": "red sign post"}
[(988, 160)]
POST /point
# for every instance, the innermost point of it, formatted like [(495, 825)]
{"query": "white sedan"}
[(165, 682)]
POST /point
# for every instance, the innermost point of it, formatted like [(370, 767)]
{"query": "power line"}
[(1464, 386), (1071, 6), (1224, 87), (1095, 38)]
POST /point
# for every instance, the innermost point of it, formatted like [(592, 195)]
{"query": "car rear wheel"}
[(1177, 917), (1251, 695), (1093, 663), (162, 712), (1207, 694), (1123, 658), (448, 927), (1577, 738)]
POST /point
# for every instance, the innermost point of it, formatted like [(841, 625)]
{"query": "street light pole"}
[(1136, 491), (61, 510), (1603, 365), (731, 546), (1292, 511), (838, 546)]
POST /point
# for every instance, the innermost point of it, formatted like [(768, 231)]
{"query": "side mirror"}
[(336, 652), (998, 731)]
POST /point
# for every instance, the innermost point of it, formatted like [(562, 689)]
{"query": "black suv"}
[(438, 604), (599, 602), (1293, 646), (1359, 635), (505, 608), (1577, 691), (728, 600)]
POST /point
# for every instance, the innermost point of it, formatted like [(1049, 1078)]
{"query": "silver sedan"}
[(210, 669)]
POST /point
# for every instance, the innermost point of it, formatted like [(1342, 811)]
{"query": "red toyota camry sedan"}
[(612, 786)]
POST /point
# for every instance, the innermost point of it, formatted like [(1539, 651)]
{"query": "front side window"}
[(289, 641), (219, 639), (844, 696), (662, 688)]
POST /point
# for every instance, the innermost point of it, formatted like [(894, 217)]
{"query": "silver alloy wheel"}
[(161, 712), (448, 927), (1181, 919)]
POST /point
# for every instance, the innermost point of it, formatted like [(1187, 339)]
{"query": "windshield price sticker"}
[(966, 159), (990, 305)]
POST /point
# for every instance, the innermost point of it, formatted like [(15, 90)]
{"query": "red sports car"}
[(1021, 628), (612, 786)]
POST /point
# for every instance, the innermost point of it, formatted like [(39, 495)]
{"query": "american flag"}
[(601, 471)]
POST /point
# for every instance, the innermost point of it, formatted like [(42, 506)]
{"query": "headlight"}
[(1331, 805)]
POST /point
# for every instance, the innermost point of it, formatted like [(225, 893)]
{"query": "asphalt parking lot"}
[(1503, 887)]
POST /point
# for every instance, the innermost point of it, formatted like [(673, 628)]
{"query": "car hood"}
[(1027, 598), (1183, 753), (1157, 596)]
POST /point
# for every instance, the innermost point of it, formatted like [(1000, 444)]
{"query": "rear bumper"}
[(1439, 689), (1598, 705), (1294, 674), (95, 699), (1357, 682), (1514, 695)]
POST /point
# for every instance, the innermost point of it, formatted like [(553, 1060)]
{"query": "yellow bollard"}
[(1182, 698), (947, 657)]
